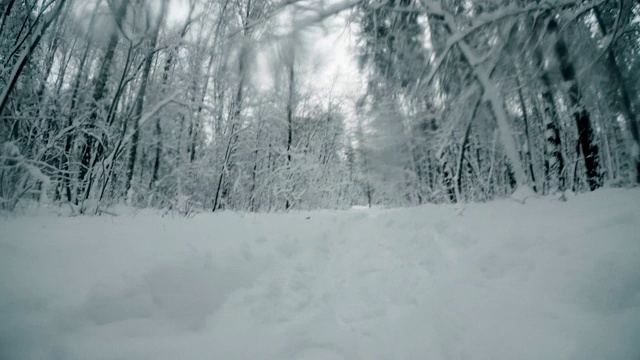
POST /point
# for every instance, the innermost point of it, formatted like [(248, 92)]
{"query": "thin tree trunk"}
[(156, 163), (221, 178), (463, 147), (139, 107), (290, 116), (254, 173), (527, 144), (235, 114), (196, 128), (74, 100), (72, 115)]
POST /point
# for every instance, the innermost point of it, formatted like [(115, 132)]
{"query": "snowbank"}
[(545, 280)]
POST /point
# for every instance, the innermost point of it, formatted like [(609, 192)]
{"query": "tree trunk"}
[(99, 92), (290, 106), (156, 163), (72, 109), (463, 148), (553, 160), (236, 110), (527, 141), (581, 115), (139, 107)]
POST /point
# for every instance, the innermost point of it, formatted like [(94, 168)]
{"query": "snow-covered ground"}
[(544, 280)]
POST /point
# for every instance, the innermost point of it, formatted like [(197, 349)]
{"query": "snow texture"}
[(503, 280)]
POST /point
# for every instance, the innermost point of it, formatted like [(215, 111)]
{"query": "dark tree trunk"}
[(99, 92), (156, 163), (290, 118), (72, 109), (581, 115), (148, 63), (464, 145), (236, 110), (525, 120), (553, 161), (72, 114)]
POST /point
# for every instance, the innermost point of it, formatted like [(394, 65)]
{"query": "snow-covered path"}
[(547, 280)]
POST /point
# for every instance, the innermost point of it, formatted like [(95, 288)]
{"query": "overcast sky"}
[(326, 63)]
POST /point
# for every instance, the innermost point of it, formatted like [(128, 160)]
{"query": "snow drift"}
[(544, 280)]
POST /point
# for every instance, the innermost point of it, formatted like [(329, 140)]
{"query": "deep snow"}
[(544, 280)]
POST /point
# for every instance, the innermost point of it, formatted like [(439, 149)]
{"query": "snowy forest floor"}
[(502, 280)]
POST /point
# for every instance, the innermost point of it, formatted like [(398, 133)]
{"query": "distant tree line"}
[(119, 101)]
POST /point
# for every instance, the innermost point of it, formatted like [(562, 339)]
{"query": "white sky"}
[(327, 65), (335, 50), (324, 61)]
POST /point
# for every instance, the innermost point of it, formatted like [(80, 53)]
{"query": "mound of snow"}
[(503, 280)]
